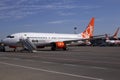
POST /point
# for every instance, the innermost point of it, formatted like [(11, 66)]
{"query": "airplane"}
[(113, 40), (33, 40), (105, 40)]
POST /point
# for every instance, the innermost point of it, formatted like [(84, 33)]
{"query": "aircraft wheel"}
[(2, 48), (65, 47), (53, 48)]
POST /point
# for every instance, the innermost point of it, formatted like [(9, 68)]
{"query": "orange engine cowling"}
[(60, 44)]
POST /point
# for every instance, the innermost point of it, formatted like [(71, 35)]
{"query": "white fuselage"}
[(113, 41), (40, 38)]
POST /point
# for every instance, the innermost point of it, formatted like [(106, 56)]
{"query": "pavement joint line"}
[(94, 67), (71, 65), (50, 71), (98, 67), (47, 62)]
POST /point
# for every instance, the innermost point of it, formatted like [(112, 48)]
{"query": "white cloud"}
[(66, 13), (59, 22), (89, 7), (22, 8)]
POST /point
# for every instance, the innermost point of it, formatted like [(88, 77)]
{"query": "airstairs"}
[(27, 44)]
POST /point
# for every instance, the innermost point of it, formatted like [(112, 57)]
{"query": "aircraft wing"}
[(98, 37), (69, 41)]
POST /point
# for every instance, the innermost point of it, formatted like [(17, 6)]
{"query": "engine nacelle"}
[(60, 45)]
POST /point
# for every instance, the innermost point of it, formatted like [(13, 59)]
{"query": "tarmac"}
[(78, 63)]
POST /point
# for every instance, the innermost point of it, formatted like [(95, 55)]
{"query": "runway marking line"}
[(99, 67), (50, 71)]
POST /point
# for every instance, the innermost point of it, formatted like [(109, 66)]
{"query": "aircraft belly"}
[(42, 42)]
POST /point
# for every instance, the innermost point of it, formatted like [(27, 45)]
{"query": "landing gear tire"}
[(53, 48), (2, 48), (65, 48)]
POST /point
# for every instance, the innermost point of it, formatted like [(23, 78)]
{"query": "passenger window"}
[(34, 40)]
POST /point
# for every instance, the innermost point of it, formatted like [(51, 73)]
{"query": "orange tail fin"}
[(89, 30)]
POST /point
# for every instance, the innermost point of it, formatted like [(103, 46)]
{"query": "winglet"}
[(89, 30), (106, 36), (116, 33)]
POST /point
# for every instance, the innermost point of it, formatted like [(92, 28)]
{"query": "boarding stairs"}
[(27, 44)]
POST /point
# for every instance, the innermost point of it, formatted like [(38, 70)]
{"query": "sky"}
[(58, 16)]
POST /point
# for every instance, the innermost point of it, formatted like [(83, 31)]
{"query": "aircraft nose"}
[(8, 41)]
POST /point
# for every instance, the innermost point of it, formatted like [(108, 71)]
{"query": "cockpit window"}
[(10, 36)]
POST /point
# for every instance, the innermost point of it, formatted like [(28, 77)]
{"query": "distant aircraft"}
[(113, 40), (105, 40), (32, 41), (115, 35)]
